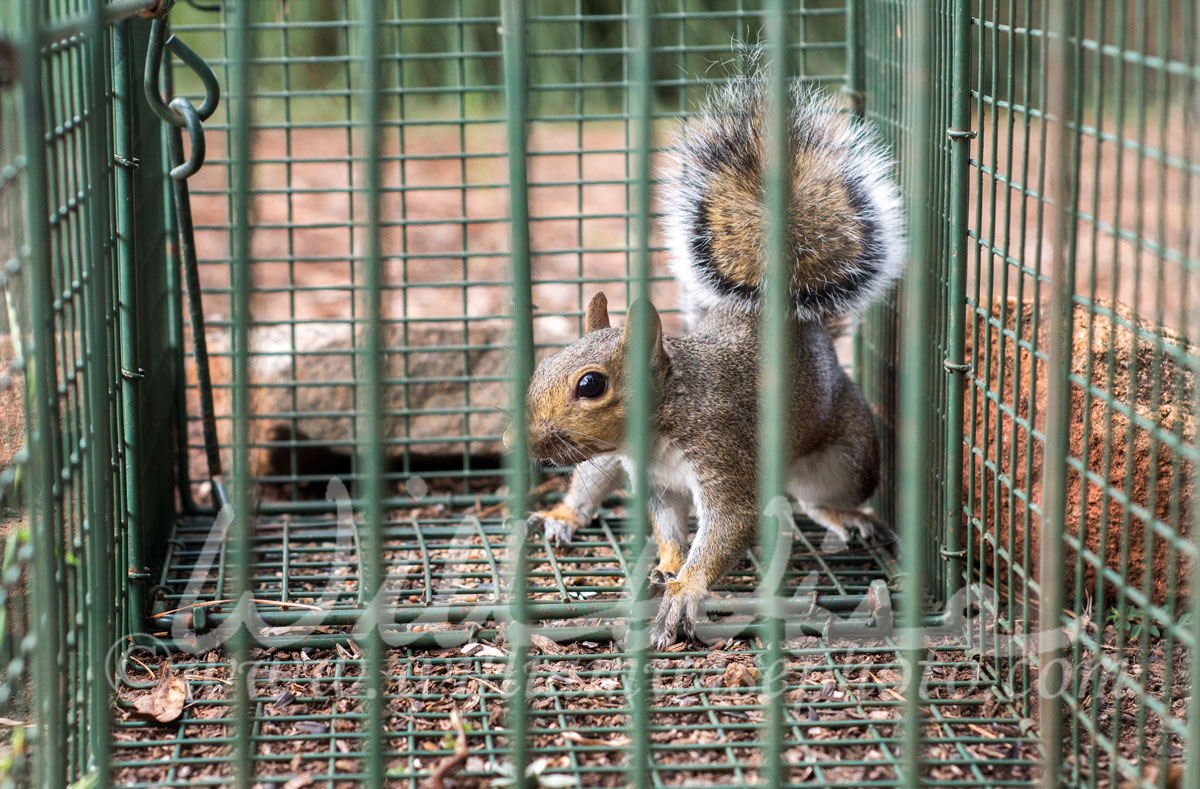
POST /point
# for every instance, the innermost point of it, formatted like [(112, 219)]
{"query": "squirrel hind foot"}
[(677, 615), (842, 525), (659, 579)]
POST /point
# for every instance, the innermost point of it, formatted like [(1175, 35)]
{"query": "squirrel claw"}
[(558, 524), (659, 580), (677, 615), (557, 532)]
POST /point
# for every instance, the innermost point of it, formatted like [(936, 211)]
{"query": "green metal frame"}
[(1049, 162)]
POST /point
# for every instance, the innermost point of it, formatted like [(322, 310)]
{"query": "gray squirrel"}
[(845, 242)]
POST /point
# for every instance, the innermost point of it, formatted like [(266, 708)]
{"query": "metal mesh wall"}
[(370, 248), (445, 233), (1124, 507), (59, 488)]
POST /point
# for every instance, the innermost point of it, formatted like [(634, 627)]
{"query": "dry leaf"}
[(546, 644), (619, 741), (739, 675), (165, 701)]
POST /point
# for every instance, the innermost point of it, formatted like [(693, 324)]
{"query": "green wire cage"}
[(274, 283)]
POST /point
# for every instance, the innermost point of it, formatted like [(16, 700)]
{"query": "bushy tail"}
[(845, 224)]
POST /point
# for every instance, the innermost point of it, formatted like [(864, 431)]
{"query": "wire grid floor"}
[(843, 713), (457, 559), (844, 706)]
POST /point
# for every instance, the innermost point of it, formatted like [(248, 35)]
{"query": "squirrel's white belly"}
[(669, 470)]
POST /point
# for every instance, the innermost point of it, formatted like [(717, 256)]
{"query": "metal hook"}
[(154, 58), (195, 129), (212, 88)]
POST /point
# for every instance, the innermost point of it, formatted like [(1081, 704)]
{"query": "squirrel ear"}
[(653, 327), (597, 313)]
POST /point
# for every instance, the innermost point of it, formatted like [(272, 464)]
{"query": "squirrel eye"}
[(591, 385)]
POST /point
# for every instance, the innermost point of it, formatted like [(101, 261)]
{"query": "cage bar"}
[(916, 388), (241, 524), (516, 81), (774, 363), (640, 426), (390, 189)]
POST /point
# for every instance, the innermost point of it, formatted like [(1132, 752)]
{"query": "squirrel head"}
[(578, 396)]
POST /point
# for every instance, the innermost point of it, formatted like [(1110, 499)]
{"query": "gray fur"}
[(728, 126)]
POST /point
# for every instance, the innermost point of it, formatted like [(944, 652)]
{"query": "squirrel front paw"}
[(558, 523), (678, 613)]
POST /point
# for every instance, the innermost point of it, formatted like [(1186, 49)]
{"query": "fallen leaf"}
[(546, 644), (165, 702)]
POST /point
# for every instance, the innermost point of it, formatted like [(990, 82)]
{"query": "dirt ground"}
[(446, 196), (705, 717)]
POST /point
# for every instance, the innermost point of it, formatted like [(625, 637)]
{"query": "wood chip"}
[(546, 644), (165, 701), (302, 780), (620, 741), (739, 675)]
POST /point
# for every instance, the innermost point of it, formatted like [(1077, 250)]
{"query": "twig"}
[(452, 764), (149, 670), (489, 685), (982, 732), (256, 601), (200, 678)]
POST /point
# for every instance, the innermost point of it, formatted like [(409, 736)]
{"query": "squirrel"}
[(845, 235)]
